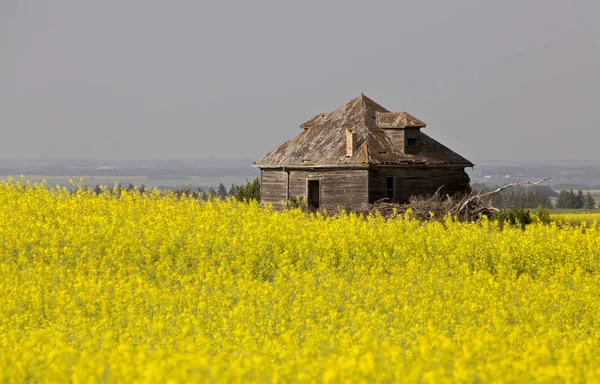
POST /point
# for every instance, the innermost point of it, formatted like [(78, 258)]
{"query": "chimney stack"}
[(349, 143)]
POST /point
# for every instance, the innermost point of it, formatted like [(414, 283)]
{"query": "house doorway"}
[(313, 195)]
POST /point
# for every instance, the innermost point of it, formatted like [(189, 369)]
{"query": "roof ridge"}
[(373, 104), (364, 107)]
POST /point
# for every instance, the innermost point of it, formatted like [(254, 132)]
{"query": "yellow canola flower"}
[(577, 218), (148, 288)]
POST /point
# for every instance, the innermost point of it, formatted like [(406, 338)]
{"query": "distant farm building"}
[(359, 154)]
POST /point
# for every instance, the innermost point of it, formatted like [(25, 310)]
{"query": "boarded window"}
[(411, 142), (389, 188)]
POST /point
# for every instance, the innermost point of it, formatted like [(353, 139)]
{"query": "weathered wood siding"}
[(411, 181), (350, 188), (346, 188), (272, 186)]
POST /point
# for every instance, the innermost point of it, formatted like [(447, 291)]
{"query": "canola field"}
[(154, 289), (577, 218)]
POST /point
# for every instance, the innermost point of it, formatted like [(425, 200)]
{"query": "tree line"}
[(249, 191), (519, 196), (570, 199), (522, 198), (538, 196)]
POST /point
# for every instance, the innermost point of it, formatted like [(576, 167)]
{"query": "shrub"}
[(250, 191), (514, 216), (543, 215)]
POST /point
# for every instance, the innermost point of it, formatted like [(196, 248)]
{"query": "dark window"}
[(411, 142), (389, 188)]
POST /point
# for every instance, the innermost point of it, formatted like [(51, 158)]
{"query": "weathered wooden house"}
[(359, 154)]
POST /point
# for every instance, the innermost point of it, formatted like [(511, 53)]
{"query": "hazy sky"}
[(140, 79)]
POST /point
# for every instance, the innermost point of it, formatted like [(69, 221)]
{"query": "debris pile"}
[(469, 207)]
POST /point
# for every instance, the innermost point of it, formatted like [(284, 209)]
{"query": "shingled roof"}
[(323, 142)]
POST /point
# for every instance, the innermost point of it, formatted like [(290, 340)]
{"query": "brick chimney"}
[(349, 143)]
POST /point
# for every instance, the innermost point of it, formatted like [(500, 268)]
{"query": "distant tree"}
[(98, 189), (185, 190), (538, 198), (231, 190), (212, 192), (498, 200), (572, 200), (250, 191), (563, 200), (547, 202), (579, 200), (522, 197), (130, 187), (222, 191), (590, 203), (509, 200), (519, 196), (143, 189), (201, 194)]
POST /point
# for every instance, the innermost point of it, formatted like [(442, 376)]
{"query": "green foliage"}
[(249, 192), (514, 216), (543, 215), (222, 191), (188, 191), (519, 196), (298, 202), (572, 200), (589, 203), (522, 197)]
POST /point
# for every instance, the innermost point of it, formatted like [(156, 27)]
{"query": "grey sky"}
[(135, 79)]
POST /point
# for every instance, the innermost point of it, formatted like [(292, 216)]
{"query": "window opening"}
[(390, 188)]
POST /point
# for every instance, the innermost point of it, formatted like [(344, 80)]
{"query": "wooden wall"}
[(350, 188), (346, 188), (272, 187), (416, 181)]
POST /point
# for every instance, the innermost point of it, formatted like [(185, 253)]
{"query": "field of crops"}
[(577, 218), (151, 288)]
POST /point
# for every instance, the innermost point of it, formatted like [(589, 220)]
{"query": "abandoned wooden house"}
[(359, 154)]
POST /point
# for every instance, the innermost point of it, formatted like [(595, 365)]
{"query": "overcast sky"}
[(150, 79)]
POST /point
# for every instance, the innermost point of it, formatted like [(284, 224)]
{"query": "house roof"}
[(398, 120), (323, 141)]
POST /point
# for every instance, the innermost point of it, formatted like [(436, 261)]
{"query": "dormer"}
[(405, 128)]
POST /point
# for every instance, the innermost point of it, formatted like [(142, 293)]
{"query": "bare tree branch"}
[(468, 207), (500, 189)]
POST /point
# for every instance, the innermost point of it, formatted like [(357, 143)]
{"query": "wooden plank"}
[(272, 187), (416, 181)]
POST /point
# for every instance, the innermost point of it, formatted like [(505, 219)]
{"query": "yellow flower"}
[(151, 288)]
